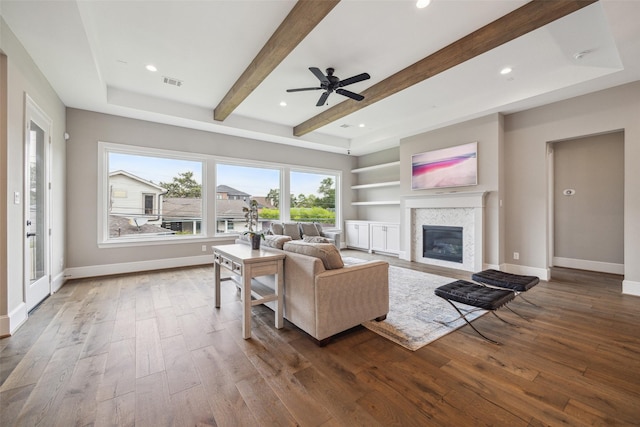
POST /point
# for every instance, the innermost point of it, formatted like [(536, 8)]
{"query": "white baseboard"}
[(492, 266), (542, 273), (58, 281), (631, 288), (11, 322), (134, 267), (583, 264)]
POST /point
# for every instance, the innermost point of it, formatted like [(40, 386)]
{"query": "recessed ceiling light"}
[(283, 104), (151, 68), (421, 4), (361, 125), (506, 70)]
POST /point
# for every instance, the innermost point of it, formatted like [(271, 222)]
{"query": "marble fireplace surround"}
[(459, 209)]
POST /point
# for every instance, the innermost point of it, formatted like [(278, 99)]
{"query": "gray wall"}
[(527, 201), (24, 77), (589, 224), (88, 128)]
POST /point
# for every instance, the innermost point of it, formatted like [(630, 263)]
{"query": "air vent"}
[(345, 126), (173, 82)]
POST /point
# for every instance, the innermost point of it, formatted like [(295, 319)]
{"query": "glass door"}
[(37, 281)]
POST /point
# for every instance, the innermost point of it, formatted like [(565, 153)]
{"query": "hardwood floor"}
[(150, 349)]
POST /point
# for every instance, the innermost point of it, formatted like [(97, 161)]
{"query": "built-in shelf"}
[(382, 184), (374, 167), (379, 202), (375, 185)]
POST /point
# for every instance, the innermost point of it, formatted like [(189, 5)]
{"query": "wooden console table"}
[(247, 263)]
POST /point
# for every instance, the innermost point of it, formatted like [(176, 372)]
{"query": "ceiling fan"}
[(331, 83)]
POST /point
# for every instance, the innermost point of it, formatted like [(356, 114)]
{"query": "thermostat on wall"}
[(569, 192)]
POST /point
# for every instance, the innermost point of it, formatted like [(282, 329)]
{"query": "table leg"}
[(280, 297), (246, 303), (216, 275)]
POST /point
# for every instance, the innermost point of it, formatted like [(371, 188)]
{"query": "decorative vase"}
[(255, 241)]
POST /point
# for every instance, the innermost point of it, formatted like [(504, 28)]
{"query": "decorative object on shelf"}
[(251, 215)]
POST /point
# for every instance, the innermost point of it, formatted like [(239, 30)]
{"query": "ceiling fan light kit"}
[(331, 83)]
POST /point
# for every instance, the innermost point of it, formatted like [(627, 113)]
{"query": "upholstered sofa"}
[(322, 296), (309, 231)]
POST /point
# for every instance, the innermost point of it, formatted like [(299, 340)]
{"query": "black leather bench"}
[(475, 295), (516, 282)]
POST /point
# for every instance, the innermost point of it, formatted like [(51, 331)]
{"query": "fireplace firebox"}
[(442, 242)]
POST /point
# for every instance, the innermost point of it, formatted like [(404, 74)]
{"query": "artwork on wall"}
[(447, 167)]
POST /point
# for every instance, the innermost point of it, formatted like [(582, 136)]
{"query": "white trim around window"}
[(208, 193)]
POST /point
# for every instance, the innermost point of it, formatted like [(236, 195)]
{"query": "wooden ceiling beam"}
[(303, 18), (521, 21)]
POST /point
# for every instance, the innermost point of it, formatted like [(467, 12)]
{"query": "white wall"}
[(526, 137), (24, 77), (87, 128)]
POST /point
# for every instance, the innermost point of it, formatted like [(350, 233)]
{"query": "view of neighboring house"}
[(182, 214), (229, 214), (135, 206), (138, 206)]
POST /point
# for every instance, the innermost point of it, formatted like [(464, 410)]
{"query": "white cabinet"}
[(357, 234), (385, 237), (373, 236)]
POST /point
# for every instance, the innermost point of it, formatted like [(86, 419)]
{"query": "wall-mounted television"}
[(447, 167)]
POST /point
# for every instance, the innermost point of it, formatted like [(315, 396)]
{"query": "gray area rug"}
[(415, 312)]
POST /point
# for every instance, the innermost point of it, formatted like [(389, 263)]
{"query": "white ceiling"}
[(94, 55)]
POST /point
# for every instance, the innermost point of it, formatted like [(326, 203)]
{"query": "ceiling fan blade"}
[(350, 94), (323, 99), (354, 79), (319, 74), (303, 88)]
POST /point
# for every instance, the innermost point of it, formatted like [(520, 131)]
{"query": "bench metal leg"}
[(469, 323), (526, 300)]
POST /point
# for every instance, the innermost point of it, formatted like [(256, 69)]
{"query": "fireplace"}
[(456, 209), (442, 242)]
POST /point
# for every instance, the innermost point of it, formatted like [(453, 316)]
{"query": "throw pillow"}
[(276, 228), (318, 227), (309, 229), (275, 241), (326, 252), (292, 229)]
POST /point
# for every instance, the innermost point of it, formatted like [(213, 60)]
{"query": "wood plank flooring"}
[(150, 349)]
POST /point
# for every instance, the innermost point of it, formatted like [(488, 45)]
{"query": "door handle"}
[(31, 234)]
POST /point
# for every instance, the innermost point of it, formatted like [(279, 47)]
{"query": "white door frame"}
[(551, 205), (33, 113)]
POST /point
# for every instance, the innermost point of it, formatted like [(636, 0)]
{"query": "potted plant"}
[(251, 215)]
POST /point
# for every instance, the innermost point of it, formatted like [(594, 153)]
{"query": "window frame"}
[(336, 174), (103, 202), (209, 197)]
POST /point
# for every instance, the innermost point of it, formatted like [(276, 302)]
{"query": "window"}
[(236, 186), (151, 194), (148, 204), (313, 197)]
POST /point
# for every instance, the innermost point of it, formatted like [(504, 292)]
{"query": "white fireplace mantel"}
[(450, 200), (461, 199)]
